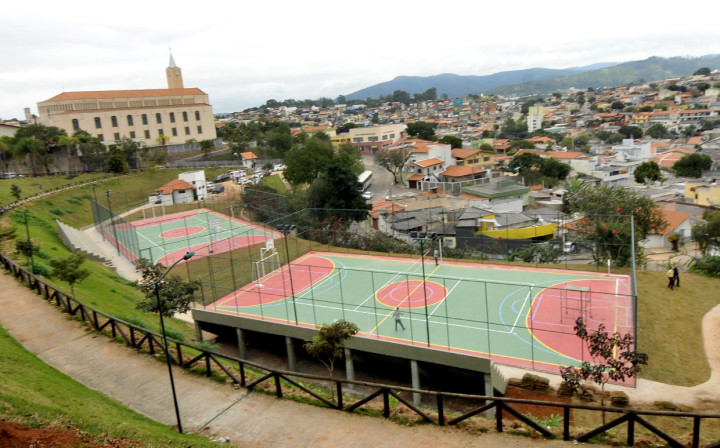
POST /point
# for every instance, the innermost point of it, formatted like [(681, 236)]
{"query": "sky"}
[(242, 53)]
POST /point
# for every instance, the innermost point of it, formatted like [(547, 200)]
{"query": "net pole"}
[(632, 277)]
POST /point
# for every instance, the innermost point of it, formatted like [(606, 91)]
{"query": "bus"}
[(364, 181)]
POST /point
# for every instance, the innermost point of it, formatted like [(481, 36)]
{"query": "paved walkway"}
[(141, 382)]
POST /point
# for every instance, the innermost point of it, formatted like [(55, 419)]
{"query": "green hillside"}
[(651, 69)]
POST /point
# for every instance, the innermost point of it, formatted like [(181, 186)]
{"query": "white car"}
[(278, 167), (367, 195)]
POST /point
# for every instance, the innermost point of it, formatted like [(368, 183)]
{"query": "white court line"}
[(512, 329), (335, 308), (152, 243), (445, 298)]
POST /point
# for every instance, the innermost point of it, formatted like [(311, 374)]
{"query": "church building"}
[(149, 116)]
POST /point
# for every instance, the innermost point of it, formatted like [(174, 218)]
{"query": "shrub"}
[(708, 265)]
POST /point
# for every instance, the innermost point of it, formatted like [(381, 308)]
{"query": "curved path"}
[(141, 383)]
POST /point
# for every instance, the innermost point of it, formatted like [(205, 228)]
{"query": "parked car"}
[(10, 175), (570, 247), (278, 167), (217, 189), (367, 195), (222, 178)]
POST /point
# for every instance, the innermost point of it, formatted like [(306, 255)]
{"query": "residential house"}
[(455, 173), (703, 194), (197, 180), (679, 223), (177, 191), (371, 139), (247, 159)]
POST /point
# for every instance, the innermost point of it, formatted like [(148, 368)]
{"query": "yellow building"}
[(177, 113), (703, 194)]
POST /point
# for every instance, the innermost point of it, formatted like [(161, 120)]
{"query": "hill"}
[(458, 85), (651, 69)]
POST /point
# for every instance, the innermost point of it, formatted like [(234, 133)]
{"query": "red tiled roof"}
[(429, 162), (674, 219), (174, 185), (415, 177), (459, 153), (564, 154), (116, 94), (248, 155), (461, 171)]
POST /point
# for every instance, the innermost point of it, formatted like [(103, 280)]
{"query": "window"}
[(130, 120), (199, 129), (187, 130), (132, 134), (172, 117), (147, 134), (98, 125), (144, 119), (392, 135), (117, 136), (384, 137), (161, 132), (197, 115), (113, 120), (174, 132), (372, 139), (185, 116), (76, 124), (158, 118), (100, 137), (357, 140)]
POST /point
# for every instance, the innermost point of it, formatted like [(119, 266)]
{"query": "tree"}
[(422, 130), (303, 164), (401, 96), (487, 147), (704, 71), (68, 270), (689, 131), (692, 165), (453, 141), (129, 149), (647, 170), (335, 193), (514, 130), (31, 148), (658, 130), (617, 105), (206, 146), (606, 225), (613, 358), (328, 344), (70, 143), (116, 161), (707, 234), (176, 295), (15, 191), (393, 160), (631, 131)]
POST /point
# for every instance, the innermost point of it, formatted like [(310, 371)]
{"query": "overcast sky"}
[(243, 53)]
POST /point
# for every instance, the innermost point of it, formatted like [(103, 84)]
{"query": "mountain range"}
[(543, 80)]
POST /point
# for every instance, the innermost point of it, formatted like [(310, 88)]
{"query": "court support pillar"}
[(198, 332), (415, 374), (241, 343), (349, 367), (490, 413), (290, 345)]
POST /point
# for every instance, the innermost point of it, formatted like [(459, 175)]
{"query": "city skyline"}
[(241, 55)]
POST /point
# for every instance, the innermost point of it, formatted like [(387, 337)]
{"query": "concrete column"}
[(198, 332), (241, 343), (490, 413), (349, 367), (290, 353), (415, 374)]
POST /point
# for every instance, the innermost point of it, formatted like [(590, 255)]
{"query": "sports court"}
[(166, 239), (517, 316)]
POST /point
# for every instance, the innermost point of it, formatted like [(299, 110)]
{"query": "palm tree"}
[(70, 143), (31, 148)]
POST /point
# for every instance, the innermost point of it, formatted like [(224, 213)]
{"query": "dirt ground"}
[(16, 435)]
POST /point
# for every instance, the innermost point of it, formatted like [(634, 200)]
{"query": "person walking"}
[(676, 276), (397, 314), (436, 254), (671, 278)]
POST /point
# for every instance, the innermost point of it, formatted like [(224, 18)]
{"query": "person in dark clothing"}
[(676, 276)]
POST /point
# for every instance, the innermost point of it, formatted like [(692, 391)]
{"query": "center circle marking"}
[(409, 294), (182, 232)]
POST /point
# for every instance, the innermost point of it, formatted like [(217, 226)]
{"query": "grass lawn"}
[(275, 183), (39, 396)]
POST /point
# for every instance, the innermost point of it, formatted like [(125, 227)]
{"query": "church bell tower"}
[(174, 75)]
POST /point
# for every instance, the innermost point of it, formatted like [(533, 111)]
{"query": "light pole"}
[(237, 160), (112, 218), (286, 229), (421, 237), (156, 284), (96, 211)]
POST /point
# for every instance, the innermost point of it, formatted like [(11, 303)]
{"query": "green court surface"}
[(167, 238), (513, 315)]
